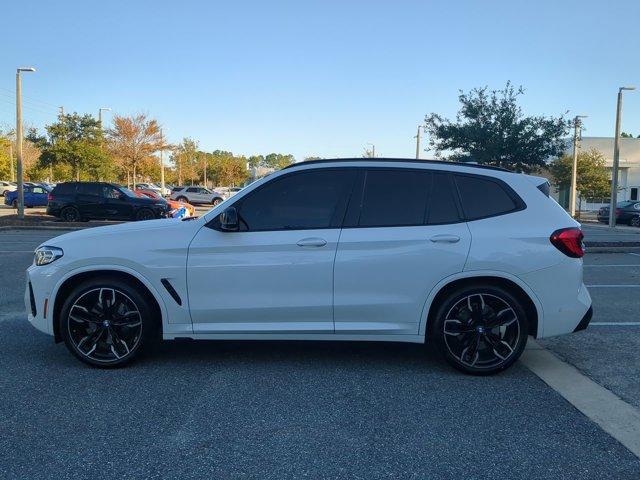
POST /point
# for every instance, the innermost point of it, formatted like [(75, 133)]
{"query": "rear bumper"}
[(584, 323)]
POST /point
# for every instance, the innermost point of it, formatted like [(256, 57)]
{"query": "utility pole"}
[(205, 171), (161, 163), (574, 167), (19, 138), (616, 160), (418, 144), (373, 150), (13, 173)]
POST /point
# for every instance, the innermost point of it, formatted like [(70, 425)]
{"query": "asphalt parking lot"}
[(317, 410)]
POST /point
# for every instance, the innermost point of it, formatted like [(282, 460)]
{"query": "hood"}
[(164, 227)]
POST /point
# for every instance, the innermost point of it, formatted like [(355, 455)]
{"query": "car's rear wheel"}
[(182, 199), (70, 214), (480, 329), (635, 221), (107, 322), (216, 201), (145, 214)]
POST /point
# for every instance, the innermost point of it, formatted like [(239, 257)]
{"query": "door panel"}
[(266, 282), (384, 275)]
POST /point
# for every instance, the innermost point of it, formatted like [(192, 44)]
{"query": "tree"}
[(626, 135), (6, 143), (134, 140), (226, 168), (73, 140), (592, 180), (311, 158), (278, 160), (185, 157), (491, 129)]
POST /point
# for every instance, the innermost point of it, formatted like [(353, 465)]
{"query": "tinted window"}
[(394, 198), (442, 205), (192, 189), (483, 197), (90, 189), (65, 188), (110, 192), (38, 190), (314, 199)]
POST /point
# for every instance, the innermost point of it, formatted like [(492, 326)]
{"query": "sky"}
[(316, 78)]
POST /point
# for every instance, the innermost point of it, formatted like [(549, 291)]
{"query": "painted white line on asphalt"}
[(614, 324), (634, 254), (610, 412), (16, 251), (614, 265), (613, 286)]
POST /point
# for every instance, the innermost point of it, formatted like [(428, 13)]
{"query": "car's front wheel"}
[(635, 221), (480, 329), (145, 214), (216, 201), (106, 322)]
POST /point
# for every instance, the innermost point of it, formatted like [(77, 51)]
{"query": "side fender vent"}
[(171, 290)]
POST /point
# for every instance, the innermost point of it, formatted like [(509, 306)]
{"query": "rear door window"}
[(90, 189), (442, 202), (485, 197), (394, 197)]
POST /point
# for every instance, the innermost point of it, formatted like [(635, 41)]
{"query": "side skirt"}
[(295, 336)]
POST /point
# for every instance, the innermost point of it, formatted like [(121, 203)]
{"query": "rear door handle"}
[(312, 242), (444, 238)]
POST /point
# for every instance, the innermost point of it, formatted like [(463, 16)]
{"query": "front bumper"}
[(36, 295)]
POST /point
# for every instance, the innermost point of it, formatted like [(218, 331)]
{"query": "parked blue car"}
[(34, 196)]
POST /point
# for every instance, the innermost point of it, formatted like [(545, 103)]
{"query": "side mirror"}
[(229, 220)]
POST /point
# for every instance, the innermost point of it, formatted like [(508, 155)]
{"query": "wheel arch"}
[(74, 278), (530, 302)]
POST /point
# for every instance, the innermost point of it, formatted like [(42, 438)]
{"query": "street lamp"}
[(574, 168), (616, 160), (100, 110), (418, 143), (19, 137), (373, 150)]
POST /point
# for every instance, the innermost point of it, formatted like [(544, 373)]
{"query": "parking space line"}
[(614, 265), (614, 286), (610, 412), (614, 324), (634, 254)]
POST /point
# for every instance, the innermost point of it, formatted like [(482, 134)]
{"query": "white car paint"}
[(7, 187), (341, 284)]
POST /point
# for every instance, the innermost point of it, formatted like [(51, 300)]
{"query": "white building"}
[(628, 173)]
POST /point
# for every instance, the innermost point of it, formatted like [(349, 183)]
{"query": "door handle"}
[(312, 242), (444, 238)]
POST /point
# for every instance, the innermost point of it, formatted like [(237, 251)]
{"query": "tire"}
[(112, 339), (635, 221), (14, 204), (216, 201), (70, 214), (470, 339), (182, 199), (145, 214)]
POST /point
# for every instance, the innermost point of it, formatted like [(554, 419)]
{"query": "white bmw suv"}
[(473, 259)]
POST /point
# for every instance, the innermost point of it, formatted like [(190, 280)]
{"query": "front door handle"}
[(444, 238), (312, 242)]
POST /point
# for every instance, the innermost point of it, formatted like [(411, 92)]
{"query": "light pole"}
[(373, 150), (418, 143), (574, 167), (616, 160), (100, 110), (19, 137)]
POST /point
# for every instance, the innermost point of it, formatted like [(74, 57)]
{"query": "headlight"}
[(45, 255)]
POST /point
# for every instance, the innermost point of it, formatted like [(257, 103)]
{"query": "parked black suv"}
[(78, 201), (626, 212)]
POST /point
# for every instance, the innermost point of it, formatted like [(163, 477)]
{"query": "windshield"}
[(128, 192)]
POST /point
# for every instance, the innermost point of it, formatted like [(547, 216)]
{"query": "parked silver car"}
[(195, 195)]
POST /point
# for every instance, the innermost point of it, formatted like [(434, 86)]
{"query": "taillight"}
[(49, 197), (569, 241)]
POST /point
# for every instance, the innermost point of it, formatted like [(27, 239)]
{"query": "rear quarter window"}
[(484, 197), (64, 189)]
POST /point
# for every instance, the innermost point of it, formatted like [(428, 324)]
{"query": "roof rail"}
[(399, 160)]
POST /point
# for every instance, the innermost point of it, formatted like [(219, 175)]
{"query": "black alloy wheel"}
[(145, 214), (216, 201), (70, 214), (635, 221), (106, 323), (481, 330)]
